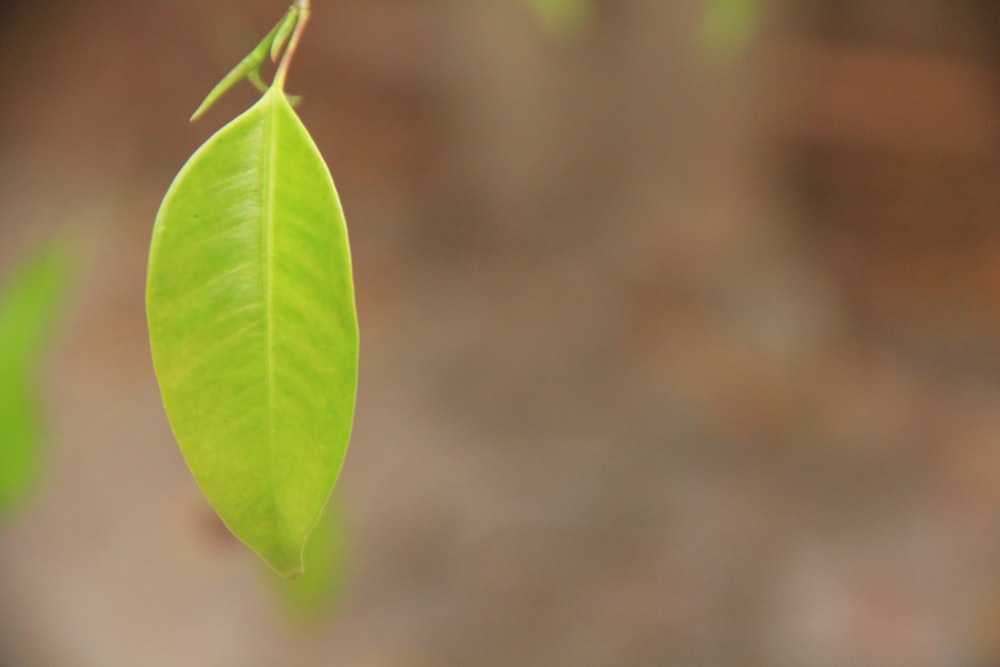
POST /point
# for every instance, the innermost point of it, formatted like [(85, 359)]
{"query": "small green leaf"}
[(249, 67), (28, 307), (253, 330), (282, 33)]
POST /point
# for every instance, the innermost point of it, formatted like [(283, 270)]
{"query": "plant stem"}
[(303, 16)]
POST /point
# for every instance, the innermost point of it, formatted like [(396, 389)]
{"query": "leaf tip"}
[(289, 570), (287, 560), (199, 112)]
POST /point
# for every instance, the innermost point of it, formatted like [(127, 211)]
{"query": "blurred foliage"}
[(729, 25), (29, 303), (563, 17), (315, 594)]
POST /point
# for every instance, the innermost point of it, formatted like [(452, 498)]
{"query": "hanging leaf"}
[(28, 306), (253, 328)]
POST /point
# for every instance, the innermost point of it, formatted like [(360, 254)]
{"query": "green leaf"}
[(249, 67), (28, 307), (253, 329), (282, 33)]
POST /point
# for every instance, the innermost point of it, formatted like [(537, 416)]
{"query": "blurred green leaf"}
[(30, 301), (327, 560), (562, 16), (20, 436), (729, 25)]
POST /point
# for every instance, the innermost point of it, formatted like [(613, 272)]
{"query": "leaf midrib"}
[(268, 231)]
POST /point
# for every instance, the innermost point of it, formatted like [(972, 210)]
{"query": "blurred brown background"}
[(670, 356)]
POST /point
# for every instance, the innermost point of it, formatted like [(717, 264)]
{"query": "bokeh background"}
[(678, 349)]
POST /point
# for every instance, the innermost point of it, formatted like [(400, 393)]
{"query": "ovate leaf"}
[(253, 329), (30, 300)]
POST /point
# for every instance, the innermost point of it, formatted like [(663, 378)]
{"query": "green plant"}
[(252, 322), (250, 301)]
